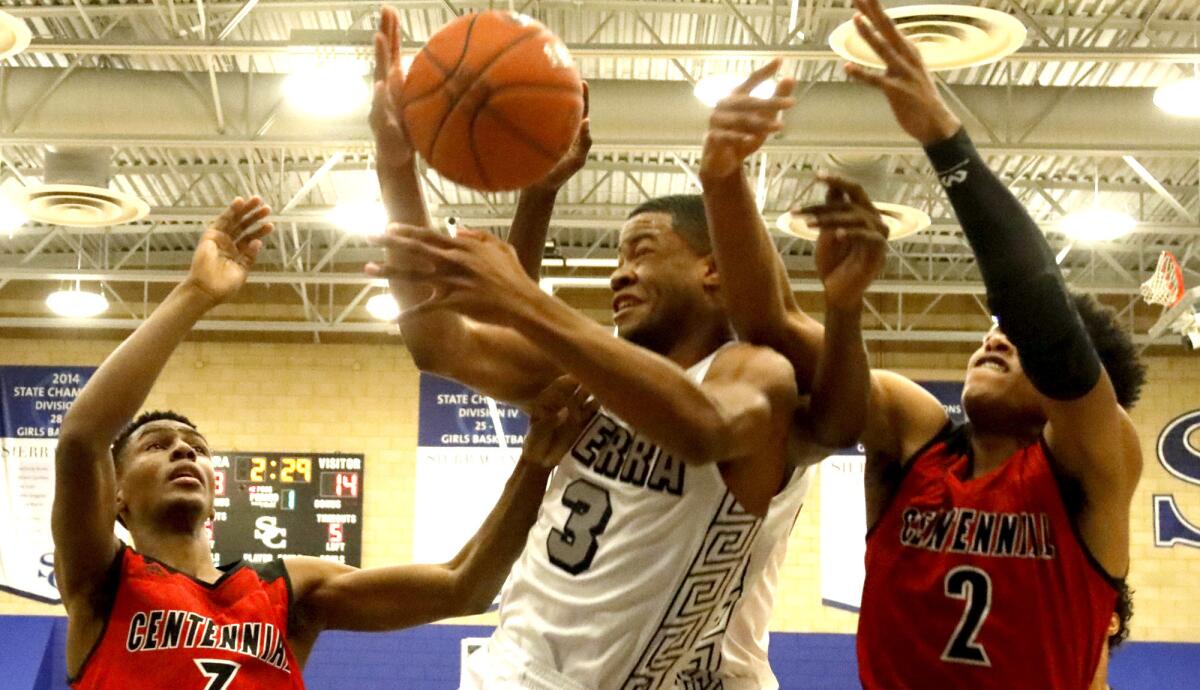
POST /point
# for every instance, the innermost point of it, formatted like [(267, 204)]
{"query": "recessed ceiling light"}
[(1181, 98), (947, 36), (711, 89), (383, 307), (1097, 224), (76, 303), (902, 221)]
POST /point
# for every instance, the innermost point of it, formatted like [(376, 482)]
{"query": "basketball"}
[(492, 101)]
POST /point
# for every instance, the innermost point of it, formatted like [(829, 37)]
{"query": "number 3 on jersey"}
[(974, 587), (573, 547)]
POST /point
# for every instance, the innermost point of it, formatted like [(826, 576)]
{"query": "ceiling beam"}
[(355, 42), (832, 118)]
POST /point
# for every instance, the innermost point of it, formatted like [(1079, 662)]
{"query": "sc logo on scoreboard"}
[(1180, 456)]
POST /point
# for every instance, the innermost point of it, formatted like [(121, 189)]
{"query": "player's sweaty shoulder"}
[(754, 364)]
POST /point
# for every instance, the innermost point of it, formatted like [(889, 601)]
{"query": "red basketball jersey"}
[(170, 630), (980, 583)]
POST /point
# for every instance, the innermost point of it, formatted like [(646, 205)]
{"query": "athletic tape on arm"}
[(1025, 289)]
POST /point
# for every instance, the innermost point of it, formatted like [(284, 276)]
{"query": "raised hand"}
[(852, 245), (556, 419), (741, 123), (906, 83), (575, 157), (392, 145), (229, 247), (473, 273)]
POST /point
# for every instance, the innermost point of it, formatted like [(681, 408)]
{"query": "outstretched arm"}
[(754, 282), (829, 362), (85, 504), (1088, 431), (337, 596), (491, 360), (851, 249), (535, 205)]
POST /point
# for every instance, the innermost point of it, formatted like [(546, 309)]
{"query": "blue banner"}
[(454, 416), (33, 401)]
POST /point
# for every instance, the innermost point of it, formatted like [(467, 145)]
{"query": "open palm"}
[(229, 247), (852, 245), (392, 144)]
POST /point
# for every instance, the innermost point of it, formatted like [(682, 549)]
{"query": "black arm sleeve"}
[(1025, 289)]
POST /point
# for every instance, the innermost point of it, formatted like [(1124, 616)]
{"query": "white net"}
[(1165, 287)]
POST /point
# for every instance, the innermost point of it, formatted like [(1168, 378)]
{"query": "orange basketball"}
[(493, 101)]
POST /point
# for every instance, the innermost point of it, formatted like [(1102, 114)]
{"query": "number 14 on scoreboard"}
[(339, 485)]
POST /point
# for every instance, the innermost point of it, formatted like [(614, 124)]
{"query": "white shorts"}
[(501, 665)]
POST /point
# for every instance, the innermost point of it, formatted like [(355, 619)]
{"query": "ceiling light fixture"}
[(383, 307), (1181, 98), (75, 303), (12, 216), (361, 218), (711, 89), (1097, 224), (327, 88)]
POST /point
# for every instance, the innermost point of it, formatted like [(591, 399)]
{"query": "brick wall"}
[(362, 399)]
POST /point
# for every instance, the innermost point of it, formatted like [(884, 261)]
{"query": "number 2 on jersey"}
[(573, 547), (974, 587)]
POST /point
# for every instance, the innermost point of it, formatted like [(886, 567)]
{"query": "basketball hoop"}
[(1165, 287)]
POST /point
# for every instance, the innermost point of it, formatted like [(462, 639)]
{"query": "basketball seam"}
[(517, 133), (482, 73), (475, 149), (462, 55), (450, 109), (513, 129), (434, 61), (534, 86), (564, 88)]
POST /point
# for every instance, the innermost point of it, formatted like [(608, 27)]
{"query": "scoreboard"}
[(287, 504)]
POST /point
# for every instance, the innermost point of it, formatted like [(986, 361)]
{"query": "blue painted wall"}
[(426, 658)]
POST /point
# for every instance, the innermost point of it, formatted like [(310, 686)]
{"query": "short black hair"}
[(1115, 347), (142, 420), (687, 218), (1124, 613)]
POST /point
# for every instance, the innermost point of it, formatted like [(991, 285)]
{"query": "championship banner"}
[(843, 516), (33, 401), (467, 446)]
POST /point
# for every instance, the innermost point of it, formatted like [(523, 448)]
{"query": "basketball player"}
[(162, 615), (656, 552), (996, 549)]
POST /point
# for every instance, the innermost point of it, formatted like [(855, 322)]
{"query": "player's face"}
[(659, 279), (166, 470), (995, 382)]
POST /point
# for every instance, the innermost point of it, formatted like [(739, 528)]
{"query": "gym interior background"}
[(174, 108)]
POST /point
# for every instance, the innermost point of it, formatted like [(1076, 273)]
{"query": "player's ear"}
[(122, 507), (711, 278)]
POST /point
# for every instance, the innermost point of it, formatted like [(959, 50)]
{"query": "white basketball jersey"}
[(645, 572)]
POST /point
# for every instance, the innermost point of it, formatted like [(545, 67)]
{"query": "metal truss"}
[(1039, 117)]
